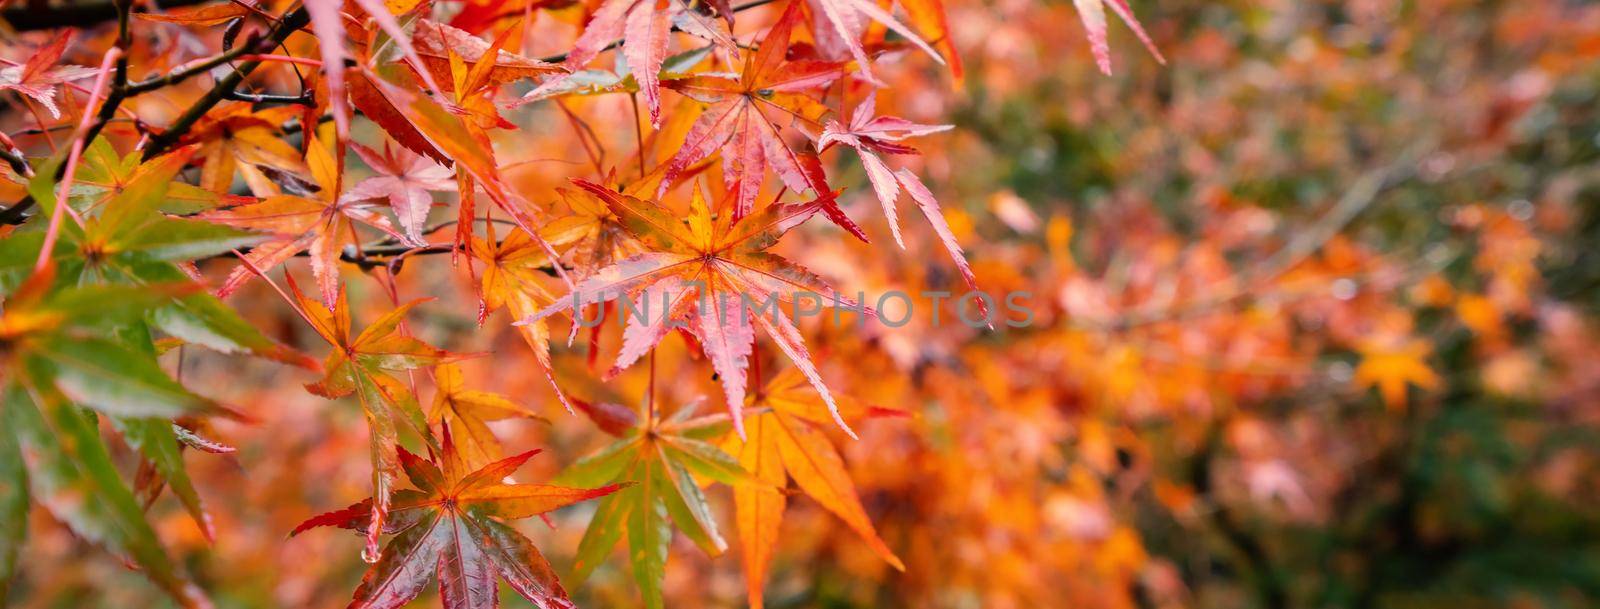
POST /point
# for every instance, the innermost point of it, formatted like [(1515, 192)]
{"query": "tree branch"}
[(15, 160), (119, 83), (27, 18), (303, 99), (184, 73)]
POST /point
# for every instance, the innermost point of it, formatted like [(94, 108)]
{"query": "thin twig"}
[(304, 99), (15, 160), (119, 81), (190, 70)]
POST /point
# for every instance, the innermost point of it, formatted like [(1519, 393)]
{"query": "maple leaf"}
[(125, 238), (119, 237), (319, 225), (1093, 14), (1391, 365), (468, 411), (473, 89), (103, 175), (60, 352), (455, 523), (236, 139), (436, 42), (39, 76), (782, 443), (661, 458), (510, 279), (404, 179), (55, 338), (844, 18), (645, 27), (360, 364), (869, 135), (592, 237), (736, 122), (418, 123), (707, 275)]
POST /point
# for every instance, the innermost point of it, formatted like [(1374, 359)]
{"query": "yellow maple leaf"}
[(1391, 365)]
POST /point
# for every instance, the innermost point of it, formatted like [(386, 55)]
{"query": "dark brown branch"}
[(225, 89), (294, 126), (14, 214), (119, 83), (123, 11), (388, 256), (182, 74), (27, 18), (383, 252), (382, 255), (303, 99), (15, 160)]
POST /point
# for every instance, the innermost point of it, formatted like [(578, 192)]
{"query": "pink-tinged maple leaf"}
[(847, 21), (645, 27), (39, 77), (404, 179), (712, 277), (930, 208), (870, 135), (739, 122), (1093, 14), (319, 224)]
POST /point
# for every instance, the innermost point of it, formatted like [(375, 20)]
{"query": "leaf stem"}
[(638, 132), (650, 392)]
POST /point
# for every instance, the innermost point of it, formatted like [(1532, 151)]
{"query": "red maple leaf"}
[(39, 76)]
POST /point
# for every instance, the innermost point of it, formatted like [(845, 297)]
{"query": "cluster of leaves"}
[(112, 230)]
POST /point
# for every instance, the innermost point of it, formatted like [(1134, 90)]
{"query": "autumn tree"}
[(1303, 319)]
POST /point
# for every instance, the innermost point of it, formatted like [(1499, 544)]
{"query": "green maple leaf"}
[(59, 357), (359, 364), (126, 236), (661, 457)]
